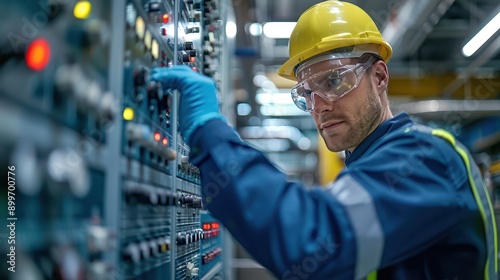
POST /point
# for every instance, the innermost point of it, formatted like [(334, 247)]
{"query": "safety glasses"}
[(330, 85)]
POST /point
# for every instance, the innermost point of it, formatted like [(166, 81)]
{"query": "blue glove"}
[(198, 96)]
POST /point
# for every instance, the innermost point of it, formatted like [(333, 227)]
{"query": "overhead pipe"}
[(412, 24)]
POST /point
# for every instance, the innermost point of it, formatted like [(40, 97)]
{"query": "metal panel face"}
[(100, 185)]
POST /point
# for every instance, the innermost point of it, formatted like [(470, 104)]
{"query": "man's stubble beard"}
[(360, 125)]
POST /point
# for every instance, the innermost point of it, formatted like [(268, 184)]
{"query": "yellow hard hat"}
[(328, 26)]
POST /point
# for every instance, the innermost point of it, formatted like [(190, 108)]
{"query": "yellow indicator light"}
[(82, 9), (140, 27), (147, 39), (128, 114), (163, 247), (155, 49)]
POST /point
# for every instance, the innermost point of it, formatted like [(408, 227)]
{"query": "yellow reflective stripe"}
[(446, 135), (372, 275)]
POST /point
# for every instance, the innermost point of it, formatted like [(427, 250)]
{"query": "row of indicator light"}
[(151, 44), (129, 114), (211, 255), (209, 226), (144, 34), (141, 134), (210, 230), (139, 25)]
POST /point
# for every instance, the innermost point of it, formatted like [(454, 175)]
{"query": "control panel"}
[(100, 184)]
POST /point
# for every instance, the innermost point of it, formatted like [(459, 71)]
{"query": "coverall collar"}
[(398, 121)]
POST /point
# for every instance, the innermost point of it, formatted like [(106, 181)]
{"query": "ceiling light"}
[(244, 109), (482, 36), (278, 30), (255, 29), (231, 29), (282, 110), (266, 98)]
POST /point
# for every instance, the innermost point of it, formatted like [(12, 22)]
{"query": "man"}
[(410, 204)]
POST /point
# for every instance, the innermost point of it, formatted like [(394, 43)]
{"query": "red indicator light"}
[(157, 136), (215, 225), (38, 54), (206, 226), (165, 141), (163, 31), (192, 59), (165, 18), (195, 69)]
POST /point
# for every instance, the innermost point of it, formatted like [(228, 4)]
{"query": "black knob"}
[(188, 46), (182, 238)]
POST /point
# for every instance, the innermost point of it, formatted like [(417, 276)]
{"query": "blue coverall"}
[(408, 205)]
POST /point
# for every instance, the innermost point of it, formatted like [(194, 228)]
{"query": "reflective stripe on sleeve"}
[(368, 233)]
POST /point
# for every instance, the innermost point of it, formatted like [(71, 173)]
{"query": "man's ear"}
[(381, 74)]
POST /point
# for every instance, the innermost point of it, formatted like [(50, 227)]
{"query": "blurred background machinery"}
[(104, 188)]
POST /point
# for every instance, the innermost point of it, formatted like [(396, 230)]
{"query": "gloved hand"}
[(198, 96)]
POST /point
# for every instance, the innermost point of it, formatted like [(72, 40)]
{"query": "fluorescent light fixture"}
[(282, 110), (259, 79), (231, 29), (278, 30), (255, 29), (244, 109), (482, 36), (266, 98), (304, 143)]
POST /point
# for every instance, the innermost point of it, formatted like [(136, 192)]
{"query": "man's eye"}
[(307, 93), (333, 81)]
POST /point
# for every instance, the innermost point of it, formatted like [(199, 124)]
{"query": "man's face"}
[(346, 122)]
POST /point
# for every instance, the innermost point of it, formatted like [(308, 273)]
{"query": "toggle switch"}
[(153, 246), (182, 238), (99, 238), (184, 57), (152, 6), (191, 270), (132, 253), (144, 249), (188, 46), (74, 176)]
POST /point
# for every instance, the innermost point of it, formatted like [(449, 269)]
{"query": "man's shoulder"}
[(411, 139)]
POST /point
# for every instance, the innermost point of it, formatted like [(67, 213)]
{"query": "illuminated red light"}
[(38, 54), (164, 141), (192, 59), (195, 69), (206, 226), (157, 136), (215, 225), (165, 18)]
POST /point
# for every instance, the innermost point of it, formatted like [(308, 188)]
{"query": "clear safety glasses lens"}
[(330, 85)]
